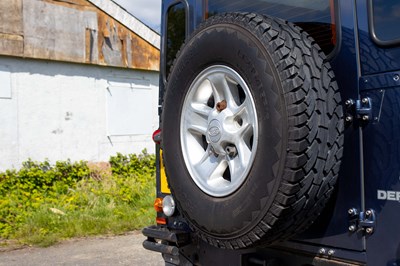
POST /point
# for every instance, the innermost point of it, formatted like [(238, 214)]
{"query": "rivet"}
[(352, 228), (369, 230)]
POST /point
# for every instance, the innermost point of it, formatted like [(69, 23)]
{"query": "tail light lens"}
[(157, 136)]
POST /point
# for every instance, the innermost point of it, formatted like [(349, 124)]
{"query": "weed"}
[(41, 203)]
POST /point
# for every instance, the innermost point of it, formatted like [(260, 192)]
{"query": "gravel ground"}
[(118, 250)]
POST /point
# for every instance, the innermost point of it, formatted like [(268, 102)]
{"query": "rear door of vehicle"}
[(331, 229), (331, 23), (379, 40)]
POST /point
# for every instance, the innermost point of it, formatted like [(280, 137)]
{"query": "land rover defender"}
[(279, 139)]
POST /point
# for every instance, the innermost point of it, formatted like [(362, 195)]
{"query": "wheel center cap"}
[(214, 131)]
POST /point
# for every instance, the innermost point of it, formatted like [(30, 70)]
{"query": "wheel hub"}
[(219, 130), (214, 131)]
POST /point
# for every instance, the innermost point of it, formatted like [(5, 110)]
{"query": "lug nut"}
[(212, 151), (221, 106), (231, 151)]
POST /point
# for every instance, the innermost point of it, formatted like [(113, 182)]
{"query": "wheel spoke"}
[(197, 150), (224, 90), (245, 111), (203, 93), (244, 154), (238, 135), (196, 120), (210, 167), (245, 132), (201, 109), (235, 168), (197, 129)]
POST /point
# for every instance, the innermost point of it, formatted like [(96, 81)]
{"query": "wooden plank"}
[(11, 17), (11, 28), (144, 56), (120, 46), (73, 31), (55, 31), (11, 44)]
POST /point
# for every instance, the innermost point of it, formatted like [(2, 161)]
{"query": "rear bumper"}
[(168, 243), (183, 248)]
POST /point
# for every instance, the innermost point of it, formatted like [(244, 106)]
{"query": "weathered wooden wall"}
[(72, 31)]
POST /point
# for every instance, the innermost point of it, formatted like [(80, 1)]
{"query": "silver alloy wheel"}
[(219, 130)]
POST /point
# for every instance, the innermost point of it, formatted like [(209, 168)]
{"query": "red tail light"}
[(157, 136), (161, 220)]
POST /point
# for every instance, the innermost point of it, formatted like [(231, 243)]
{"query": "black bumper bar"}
[(164, 241)]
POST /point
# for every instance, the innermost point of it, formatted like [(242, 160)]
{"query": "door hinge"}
[(364, 221), (358, 109)]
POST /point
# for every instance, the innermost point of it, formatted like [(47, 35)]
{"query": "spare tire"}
[(252, 130)]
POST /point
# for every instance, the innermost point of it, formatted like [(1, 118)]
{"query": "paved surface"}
[(119, 250)]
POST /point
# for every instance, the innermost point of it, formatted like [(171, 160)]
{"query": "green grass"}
[(45, 228), (103, 201)]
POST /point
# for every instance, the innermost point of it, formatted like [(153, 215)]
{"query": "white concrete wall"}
[(65, 111)]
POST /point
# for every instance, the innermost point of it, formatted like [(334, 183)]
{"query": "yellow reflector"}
[(163, 177)]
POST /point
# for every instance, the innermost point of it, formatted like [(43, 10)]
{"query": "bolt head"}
[(322, 251), (351, 211), (221, 106), (349, 118), (365, 118), (231, 151), (368, 213), (331, 252), (369, 230), (352, 228), (396, 77)]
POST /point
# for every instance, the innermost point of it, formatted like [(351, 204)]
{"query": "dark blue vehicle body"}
[(367, 66)]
